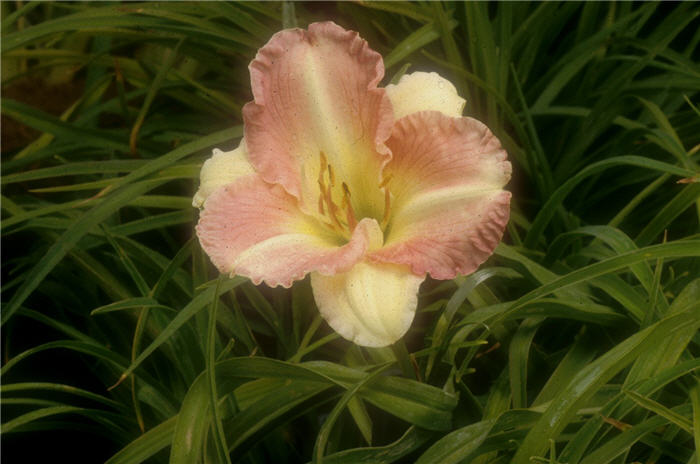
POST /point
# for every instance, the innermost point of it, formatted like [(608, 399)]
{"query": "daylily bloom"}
[(367, 189)]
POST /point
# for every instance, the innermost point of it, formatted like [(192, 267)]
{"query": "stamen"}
[(321, 209), (332, 207), (331, 177), (346, 195), (321, 183), (385, 181), (387, 208), (326, 206), (347, 204)]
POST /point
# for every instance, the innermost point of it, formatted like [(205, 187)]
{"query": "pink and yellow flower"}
[(367, 189)]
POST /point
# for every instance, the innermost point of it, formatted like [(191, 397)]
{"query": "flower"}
[(367, 189)]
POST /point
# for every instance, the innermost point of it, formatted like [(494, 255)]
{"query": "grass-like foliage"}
[(577, 342)]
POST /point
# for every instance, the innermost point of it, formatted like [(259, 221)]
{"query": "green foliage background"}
[(576, 342)]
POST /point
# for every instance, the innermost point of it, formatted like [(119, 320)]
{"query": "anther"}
[(346, 196), (331, 177)]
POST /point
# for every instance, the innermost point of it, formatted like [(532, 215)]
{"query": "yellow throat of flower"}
[(341, 219)]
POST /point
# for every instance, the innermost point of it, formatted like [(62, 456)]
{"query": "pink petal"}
[(448, 211), (316, 91), (255, 229)]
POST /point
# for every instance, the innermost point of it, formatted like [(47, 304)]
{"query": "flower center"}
[(327, 207), (342, 218)]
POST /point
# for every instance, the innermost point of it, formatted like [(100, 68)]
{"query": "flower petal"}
[(255, 229), (224, 167), (316, 92), (371, 304), (448, 211), (421, 91)]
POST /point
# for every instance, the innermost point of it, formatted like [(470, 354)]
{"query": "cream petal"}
[(224, 167), (373, 304), (421, 91)]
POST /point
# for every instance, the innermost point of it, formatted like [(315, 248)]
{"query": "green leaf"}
[(576, 448), (98, 214), (695, 401), (196, 305), (130, 303), (418, 39), (322, 437), (661, 410), (688, 196), (563, 407), (415, 402), (47, 123), (11, 425), (147, 445), (454, 447), (518, 353), (54, 387), (553, 203), (678, 249), (579, 355), (74, 169), (621, 443), (413, 439)]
